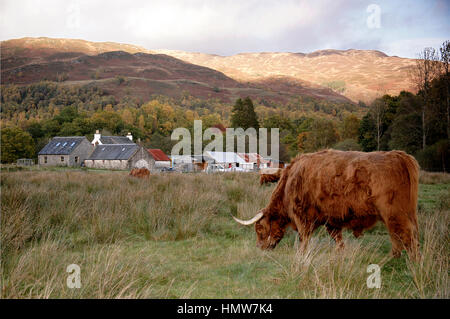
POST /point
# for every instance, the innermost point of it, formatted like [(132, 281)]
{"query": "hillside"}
[(357, 74), (122, 69)]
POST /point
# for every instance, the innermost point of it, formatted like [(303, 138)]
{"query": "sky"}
[(227, 27)]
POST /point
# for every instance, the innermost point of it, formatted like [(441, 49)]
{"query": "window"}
[(62, 158), (76, 159), (45, 159)]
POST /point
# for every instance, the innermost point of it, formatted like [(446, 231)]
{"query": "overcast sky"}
[(227, 27)]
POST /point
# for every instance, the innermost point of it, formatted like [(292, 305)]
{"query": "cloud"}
[(229, 26), (411, 47)]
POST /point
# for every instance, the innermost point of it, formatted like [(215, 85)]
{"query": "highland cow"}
[(344, 190), (140, 172), (269, 175)]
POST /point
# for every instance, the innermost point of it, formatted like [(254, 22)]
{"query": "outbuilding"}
[(160, 158)]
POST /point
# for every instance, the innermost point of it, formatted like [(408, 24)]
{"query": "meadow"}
[(172, 236)]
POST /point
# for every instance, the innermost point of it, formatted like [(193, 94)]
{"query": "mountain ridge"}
[(357, 75)]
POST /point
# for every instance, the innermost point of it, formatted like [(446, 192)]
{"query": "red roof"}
[(158, 155)]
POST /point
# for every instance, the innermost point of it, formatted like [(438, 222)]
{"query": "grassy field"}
[(172, 236)]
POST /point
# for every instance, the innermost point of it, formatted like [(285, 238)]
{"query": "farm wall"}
[(107, 164)]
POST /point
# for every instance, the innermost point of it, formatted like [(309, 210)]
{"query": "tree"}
[(350, 127), (367, 137), (348, 144), (323, 134), (16, 144), (425, 70), (406, 128), (378, 109), (445, 59), (244, 115)]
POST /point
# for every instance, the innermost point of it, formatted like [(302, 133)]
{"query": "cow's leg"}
[(305, 236), (336, 234), (304, 233), (403, 236)]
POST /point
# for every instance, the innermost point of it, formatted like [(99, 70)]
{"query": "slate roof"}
[(158, 155), (62, 145), (115, 140), (114, 152)]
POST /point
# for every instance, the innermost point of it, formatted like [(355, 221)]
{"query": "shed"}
[(160, 158)]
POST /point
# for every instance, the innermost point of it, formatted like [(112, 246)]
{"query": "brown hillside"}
[(357, 74), (30, 60)]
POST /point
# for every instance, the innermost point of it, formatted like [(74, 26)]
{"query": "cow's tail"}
[(413, 174)]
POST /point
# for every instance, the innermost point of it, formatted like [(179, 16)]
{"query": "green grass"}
[(172, 236)]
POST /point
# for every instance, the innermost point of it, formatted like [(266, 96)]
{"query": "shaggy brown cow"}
[(140, 172), (341, 190), (269, 175)]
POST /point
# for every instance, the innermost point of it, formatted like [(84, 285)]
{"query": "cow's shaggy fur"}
[(345, 190), (140, 172)]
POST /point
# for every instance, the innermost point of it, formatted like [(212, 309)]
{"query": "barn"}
[(120, 156), (65, 151)]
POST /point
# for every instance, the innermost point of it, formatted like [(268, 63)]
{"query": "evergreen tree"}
[(244, 115), (252, 118), (237, 114), (367, 136)]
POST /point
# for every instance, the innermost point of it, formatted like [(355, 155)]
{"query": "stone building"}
[(120, 156), (65, 151)]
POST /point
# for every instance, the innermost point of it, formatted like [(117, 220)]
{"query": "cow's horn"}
[(251, 221)]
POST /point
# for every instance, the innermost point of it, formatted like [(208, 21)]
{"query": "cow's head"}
[(269, 228)]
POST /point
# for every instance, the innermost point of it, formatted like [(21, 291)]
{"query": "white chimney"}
[(130, 136), (97, 137)]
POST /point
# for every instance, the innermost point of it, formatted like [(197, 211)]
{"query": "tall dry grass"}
[(172, 236), (433, 178)]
